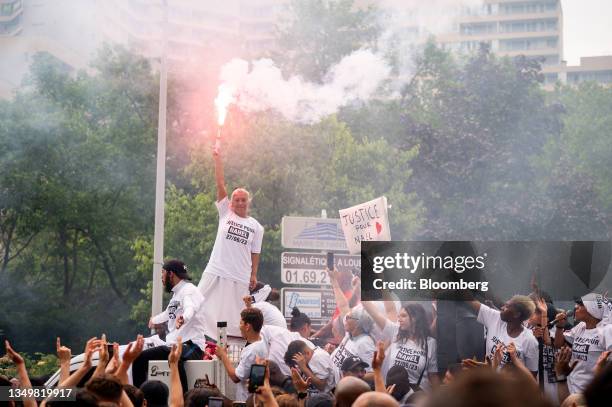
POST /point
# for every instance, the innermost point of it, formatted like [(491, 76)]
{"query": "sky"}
[(587, 29)]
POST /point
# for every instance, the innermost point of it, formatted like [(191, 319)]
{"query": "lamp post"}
[(160, 184)]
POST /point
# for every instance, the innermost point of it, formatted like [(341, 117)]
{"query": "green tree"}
[(78, 187)]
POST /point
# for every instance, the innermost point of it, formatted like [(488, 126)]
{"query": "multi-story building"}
[(512, 27), (200, 34), (203, 34), (64, 29), (196, 30)]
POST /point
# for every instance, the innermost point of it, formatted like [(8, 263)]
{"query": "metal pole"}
[(160, 185)]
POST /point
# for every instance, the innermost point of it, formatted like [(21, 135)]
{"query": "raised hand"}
[(114, 363), (133, 350), (63, 353), (175, 353), (391, 388), (15, 357), (333, 274), (379, 356), (179, 322), (91, 346)]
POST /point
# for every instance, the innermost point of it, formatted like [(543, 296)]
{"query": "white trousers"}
[(222, 302)]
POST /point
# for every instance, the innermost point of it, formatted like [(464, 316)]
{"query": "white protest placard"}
[(364, 222)]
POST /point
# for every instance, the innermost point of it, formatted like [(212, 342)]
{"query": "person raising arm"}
[(233, 264)]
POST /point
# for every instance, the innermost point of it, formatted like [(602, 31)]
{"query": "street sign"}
[(318, 304), (309, 268), (312, 233)]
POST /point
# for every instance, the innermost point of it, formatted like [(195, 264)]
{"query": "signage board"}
[(318, 304), (312, 233), (310, 268)]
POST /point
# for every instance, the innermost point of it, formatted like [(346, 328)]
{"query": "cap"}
[(594, 304), (352, 363), (177, 267)]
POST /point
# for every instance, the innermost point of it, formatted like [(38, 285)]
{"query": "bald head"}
[(375, 398), (348, 389)]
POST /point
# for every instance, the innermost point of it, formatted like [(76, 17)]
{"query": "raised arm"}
[(63, 355), (378, 317), (219, 177), (176, 389), (475, 304), (341, 301), (561, 318), (92, 346), (24, 379)]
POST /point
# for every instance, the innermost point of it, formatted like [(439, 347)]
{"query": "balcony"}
[(10, 10)]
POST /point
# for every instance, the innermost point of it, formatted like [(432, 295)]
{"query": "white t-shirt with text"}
[(497, 334), (322, 367), (361, 346), (237, 238), (587, 345), (415, 358)]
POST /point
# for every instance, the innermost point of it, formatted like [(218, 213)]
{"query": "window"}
[(528, 26), (524, 44), (8, 9), (478, 29), (550, 78), (595, 76), (528, 7)]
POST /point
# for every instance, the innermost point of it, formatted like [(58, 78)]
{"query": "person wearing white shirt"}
[(588, 339), (356, 342), (259, 299), (410, 345), (313, 362), (183, 316), (251, 322), (277, 341), (232, 267), (506, 326)]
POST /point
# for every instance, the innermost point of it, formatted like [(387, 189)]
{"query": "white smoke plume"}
[(260, 85)]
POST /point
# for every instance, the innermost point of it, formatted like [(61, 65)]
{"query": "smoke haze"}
[(261, 85)]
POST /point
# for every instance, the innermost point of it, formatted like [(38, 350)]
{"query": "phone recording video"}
[(330, 260), (215, 402), (257, 376), (109, 348)]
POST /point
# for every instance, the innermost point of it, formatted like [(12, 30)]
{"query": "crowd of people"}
[(384, 353)]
